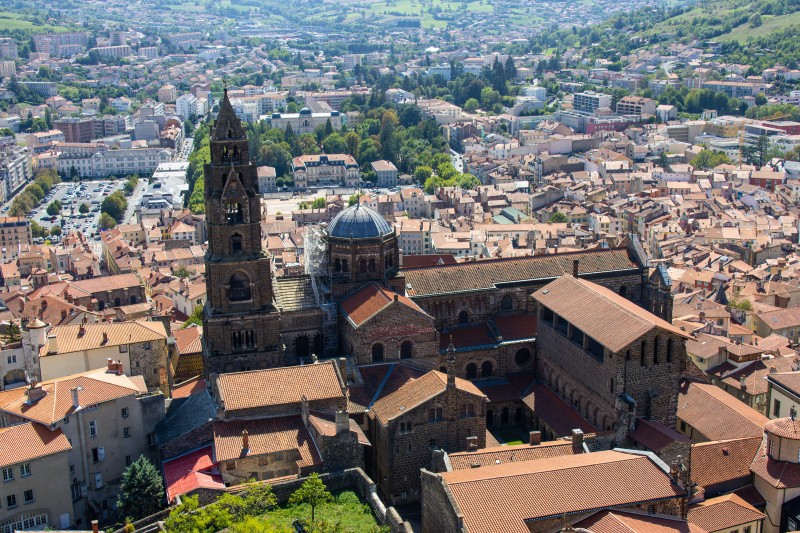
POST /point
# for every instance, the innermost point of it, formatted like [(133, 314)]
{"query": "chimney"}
[(743, 382), (575, 264), (110, 367), (577, 437), (245, 441), (535, 438), (95, 526), (35, 392), (703, 317), (118, 367), (82, 329), (105, 337), (63, 314), (773, 370), (395, 297), (342, 422), (52, 344), (76, 404)]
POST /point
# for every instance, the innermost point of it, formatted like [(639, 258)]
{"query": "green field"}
[(16, 21), (347, 510), (769, 24)]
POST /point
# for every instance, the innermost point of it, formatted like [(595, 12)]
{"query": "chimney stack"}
[(110, 365), (342, 364), (472, 444), (76, 404), (118, 368), (743, 382), (52, 344), (245, 441), (577, 437), (105, 337), (535, 438), (342, 422), (95, 526), (575, 264)]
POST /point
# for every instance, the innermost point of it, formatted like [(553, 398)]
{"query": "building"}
[(15, 233), (325, 170), (589, 101), (306, 121), (167, 94), (140, 347), (266, 179), (114, 51), (16, 170), (775, 474), (385, 172), (415, 236), (783, 394), (636, 105), (240, 322), (36, 489), (122, 162), (8, 68), (185, 105), (76, 130), (108, 418)]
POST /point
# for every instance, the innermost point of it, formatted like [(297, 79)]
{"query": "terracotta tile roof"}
[(553, 487), (189, 366), (494, 272), (782, 318), (188, 340), (655, 436), (184, 390), (325, 424), (69, 339), (716, 414), (722, 513), (755, 374), (265, 435), (416, 392), (514, 327), (787, 380), (785, 428), (508, 454), (192, 471), (98, 386), (29, 441), (427, 260), (779, 474), (371, 300), (467, 337), (555, 412), (507, 389), (49, 308), (591, 308), (279, 386), (723, 462), (107, 283), (622, 522)]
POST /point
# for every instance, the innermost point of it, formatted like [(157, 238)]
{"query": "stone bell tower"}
[(241, 326)]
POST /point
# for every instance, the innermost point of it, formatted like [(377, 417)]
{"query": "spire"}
[(227, 126)]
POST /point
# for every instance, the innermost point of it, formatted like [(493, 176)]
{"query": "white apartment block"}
[(148, 52), (7, 69), (114, 51), (141, 161), (589, 101), (186, 105), (15, 170), (252, 108)]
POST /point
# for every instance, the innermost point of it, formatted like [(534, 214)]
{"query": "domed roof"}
[(305, 111), (786, 428), (36, 324), (358, 222)]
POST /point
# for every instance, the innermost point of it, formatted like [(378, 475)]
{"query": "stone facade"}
[(241, 326), (149, 359), (356, 262)]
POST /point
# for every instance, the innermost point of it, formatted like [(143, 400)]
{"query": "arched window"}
[(507, 303), (406, 350), (669, 350), (504, 416), (236, 243), (642, 360), (472, 371), (371, 265), (435, 414), (362, 266), (337, 265), (345, 268), (623, 291), (133, 299), (117, 302), (522, 357), (234, 214), (377, 352), (301, 347), (655, 350), (486, 369), (239, 290), (463, 317)]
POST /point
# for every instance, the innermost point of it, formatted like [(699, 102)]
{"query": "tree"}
[(114, 205), (54, 208), (319, 203), (182, 272), (84, 208), (761, 99), (353, 200), (755, 20), (141, 490), (196, 318), (422, 173), (107, 221), (471, 105), (55, 231), (312, 492), (130, 185), (13, 333), (558, 218), (37, 230), (709, 159)]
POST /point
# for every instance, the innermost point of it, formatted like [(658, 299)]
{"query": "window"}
[(11, 501), (472, 371), (776, 408), (98, 480), (98, 454), (76, 491), (770, 447), (669, 350), (234, 214), (435, 414), (405, 428), (126, 432), (27, 496), (151, 439), (507, 303), (522, 357), (124, 412), (371, 265), (147, 345), (377, 352), (230, 465), (467, 410), (8, 474), (236, 244), (406, 350), (123, 348), (25, 470), (239, 290), (92, 429), (463, 317), (362, 266), (747, 529), (683, 426), (655, 350), (642, 354), (12, 359)]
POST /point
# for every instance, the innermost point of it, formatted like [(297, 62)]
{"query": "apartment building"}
[(76, 130), (15, 170), (15, 233), (108, 418), (636, 105), (114, 162), (7, 68), (266, 179), (114, 51), (414, 236), (386, 173), (325, 169), (589, 101), (167, 93)]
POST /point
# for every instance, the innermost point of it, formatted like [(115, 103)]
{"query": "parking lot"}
[(71, 196)]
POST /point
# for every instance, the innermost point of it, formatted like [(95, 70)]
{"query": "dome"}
[(305, 111), (358, 222), (785, 428)]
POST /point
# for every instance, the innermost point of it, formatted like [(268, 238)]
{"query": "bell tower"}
[(241, 326)]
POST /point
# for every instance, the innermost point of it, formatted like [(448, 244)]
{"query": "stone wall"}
[(150, 362), (439, 510)]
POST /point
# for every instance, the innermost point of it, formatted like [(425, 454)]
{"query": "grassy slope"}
[(16, 21), (769, 24)]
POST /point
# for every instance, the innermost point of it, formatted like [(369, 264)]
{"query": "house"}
[(708, 413)]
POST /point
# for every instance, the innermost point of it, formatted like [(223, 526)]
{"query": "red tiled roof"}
[(184, 390), (188, 340), (723, 462), (555, 412), (371, 300), (512, 388), (554, 487), (29, 441), (779, 474), (716, 414), (467, 337), (622, 522), (508, 454), (722, 513), (654, 435), (514, 327), (428, 260), (190, 472), (265, 435)]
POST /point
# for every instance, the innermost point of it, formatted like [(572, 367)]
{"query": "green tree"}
[(55, 231), (141, 490), (13, 333), (471, 105), (107, 221), (422, 173), (312, 492), (558, 218), (37, 230), (353, 200), (755, 20), (319, 203), (709, 159), (84, 208), (195, 318), (114, 205), (130, 185), (54, 208)]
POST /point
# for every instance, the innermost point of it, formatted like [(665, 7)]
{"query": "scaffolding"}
[(315, 256)]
